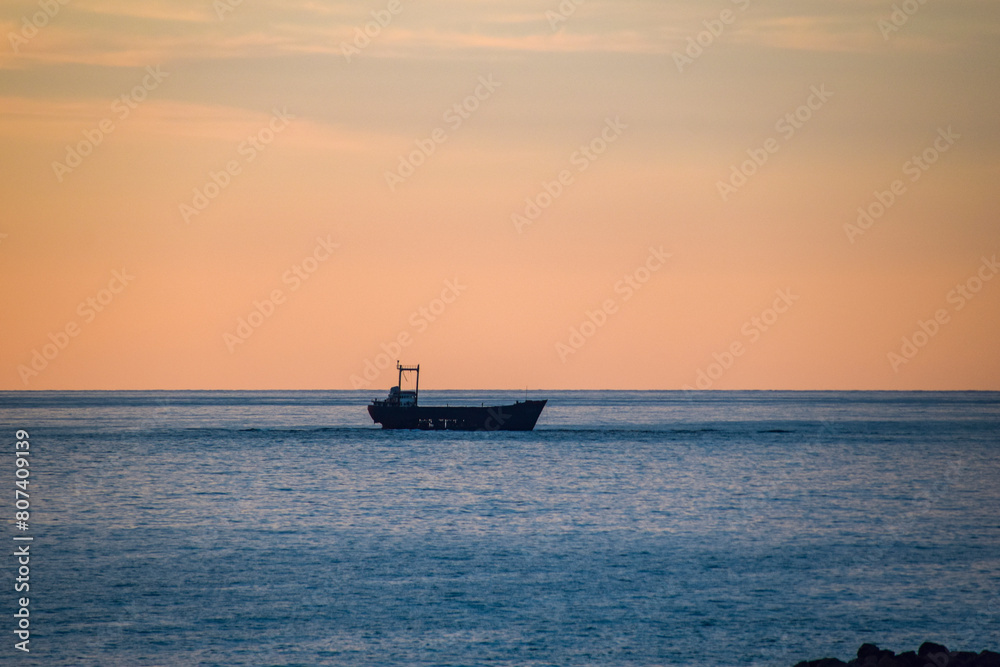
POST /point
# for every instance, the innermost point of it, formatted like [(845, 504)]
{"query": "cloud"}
[(118, 33), (810, 33), (63, 119), (153, 10)]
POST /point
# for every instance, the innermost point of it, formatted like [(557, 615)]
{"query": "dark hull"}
[(520, 416)]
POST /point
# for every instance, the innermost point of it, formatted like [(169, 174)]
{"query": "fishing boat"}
[(400, 410)]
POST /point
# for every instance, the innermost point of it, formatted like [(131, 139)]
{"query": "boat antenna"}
[(406, 369)]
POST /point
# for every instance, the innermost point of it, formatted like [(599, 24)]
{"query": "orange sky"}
[(628, 194)]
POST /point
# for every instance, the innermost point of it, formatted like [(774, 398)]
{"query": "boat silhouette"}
[(399, 410)]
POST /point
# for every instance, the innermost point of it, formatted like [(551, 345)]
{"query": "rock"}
[(907, 659), (962, 659), (870, 655), (970, 659), (867, 650), (822, 662), (936, 653), (987, 659), (929, 654)]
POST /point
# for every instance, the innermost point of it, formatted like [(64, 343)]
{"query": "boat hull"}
[(520, 416)]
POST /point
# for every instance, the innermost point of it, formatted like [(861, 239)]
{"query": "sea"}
[(714, 528)]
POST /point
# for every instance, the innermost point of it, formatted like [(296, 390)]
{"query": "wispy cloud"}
[(123, 34), (62, 119), (810, 33), (153, 10)]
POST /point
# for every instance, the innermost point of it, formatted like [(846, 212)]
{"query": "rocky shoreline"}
[(928, 655)]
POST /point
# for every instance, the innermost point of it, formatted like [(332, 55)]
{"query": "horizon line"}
[(692, 391)]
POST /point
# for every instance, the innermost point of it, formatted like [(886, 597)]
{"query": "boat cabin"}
[(399, 398), (404, 399)]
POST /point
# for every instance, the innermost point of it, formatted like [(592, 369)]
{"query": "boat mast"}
[(405, 369)]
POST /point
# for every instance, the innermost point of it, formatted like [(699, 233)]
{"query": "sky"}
[(639, 194)]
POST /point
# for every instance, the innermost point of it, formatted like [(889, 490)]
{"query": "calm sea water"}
[(630, 528)]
